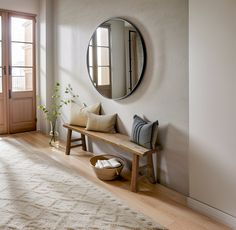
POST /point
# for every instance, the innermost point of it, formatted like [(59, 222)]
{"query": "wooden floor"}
[(163, 205)]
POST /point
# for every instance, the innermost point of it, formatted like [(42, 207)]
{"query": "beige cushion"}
[(78, 114), (101, 123)]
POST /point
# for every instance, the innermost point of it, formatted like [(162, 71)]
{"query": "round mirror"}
[(116, 58)]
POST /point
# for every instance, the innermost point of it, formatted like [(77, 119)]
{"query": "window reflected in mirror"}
[(99, 59), (116, 58)]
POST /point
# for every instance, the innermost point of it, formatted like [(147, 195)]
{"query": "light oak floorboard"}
[(163, 205)]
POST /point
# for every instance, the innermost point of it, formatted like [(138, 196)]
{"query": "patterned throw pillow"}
[(144, 133)]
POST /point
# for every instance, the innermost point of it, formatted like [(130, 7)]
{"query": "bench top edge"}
[(120, 140)]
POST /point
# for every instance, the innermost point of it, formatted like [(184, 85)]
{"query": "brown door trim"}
[(16, 103)]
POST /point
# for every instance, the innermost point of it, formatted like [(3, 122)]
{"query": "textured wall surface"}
[(163, 93), (26, 6), (212, 46)]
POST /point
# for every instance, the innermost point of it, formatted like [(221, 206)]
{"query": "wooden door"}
[(17, 100), (3, 107), (22, 111), (3, 79)]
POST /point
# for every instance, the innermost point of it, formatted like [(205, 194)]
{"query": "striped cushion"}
[(144, 133)]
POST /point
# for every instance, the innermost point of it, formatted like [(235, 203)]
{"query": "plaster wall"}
[(26, 6), (212, 111), (163, 93), (45, 67)]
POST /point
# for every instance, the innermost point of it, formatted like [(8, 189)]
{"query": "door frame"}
[(6, 62), (5, 128)]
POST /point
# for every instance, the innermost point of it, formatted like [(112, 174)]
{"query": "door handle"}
[(9, 70), (9, 93)]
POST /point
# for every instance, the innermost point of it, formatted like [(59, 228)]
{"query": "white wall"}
[(163, 93), (25, 6), (212, 110), (45, 67)]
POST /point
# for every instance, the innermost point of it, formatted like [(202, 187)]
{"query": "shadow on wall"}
[(168, 163), (218, 189), (120, 126), (173, 158)]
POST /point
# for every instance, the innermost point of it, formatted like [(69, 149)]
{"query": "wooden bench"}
[(119, 140)]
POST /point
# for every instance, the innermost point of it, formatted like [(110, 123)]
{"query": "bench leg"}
[(134, 175), (150, 169), (68, 142), (83, 142)]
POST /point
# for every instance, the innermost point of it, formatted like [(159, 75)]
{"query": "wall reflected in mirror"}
[(116, 58)]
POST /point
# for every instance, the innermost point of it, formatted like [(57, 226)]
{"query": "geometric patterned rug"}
[(37, 192)]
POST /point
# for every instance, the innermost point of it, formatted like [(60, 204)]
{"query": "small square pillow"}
[(78, 114), (101, 123), (144, 133)]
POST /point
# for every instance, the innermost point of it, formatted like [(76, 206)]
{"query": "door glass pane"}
[(0, 80), (1, 41), (102, 56), (0, 27), (22, 79), (103, 76), (0, 53), (21, 29), (21, 54)]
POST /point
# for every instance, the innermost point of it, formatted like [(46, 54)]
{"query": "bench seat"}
[(118, 140)]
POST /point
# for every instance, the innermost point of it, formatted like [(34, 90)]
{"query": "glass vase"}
[(54, 134)]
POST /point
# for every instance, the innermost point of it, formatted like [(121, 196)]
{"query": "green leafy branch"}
[(53, 111)]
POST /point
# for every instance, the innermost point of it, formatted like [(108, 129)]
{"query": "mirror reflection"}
[(116, 58)]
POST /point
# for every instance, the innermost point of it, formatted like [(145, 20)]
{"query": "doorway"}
[(17, 72)]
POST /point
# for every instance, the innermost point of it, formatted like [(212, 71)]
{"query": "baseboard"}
[(213, 213)]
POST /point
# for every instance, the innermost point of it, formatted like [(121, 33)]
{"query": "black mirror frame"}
[(144, 59)]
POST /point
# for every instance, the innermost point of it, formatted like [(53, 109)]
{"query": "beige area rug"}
[(36, 192)]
